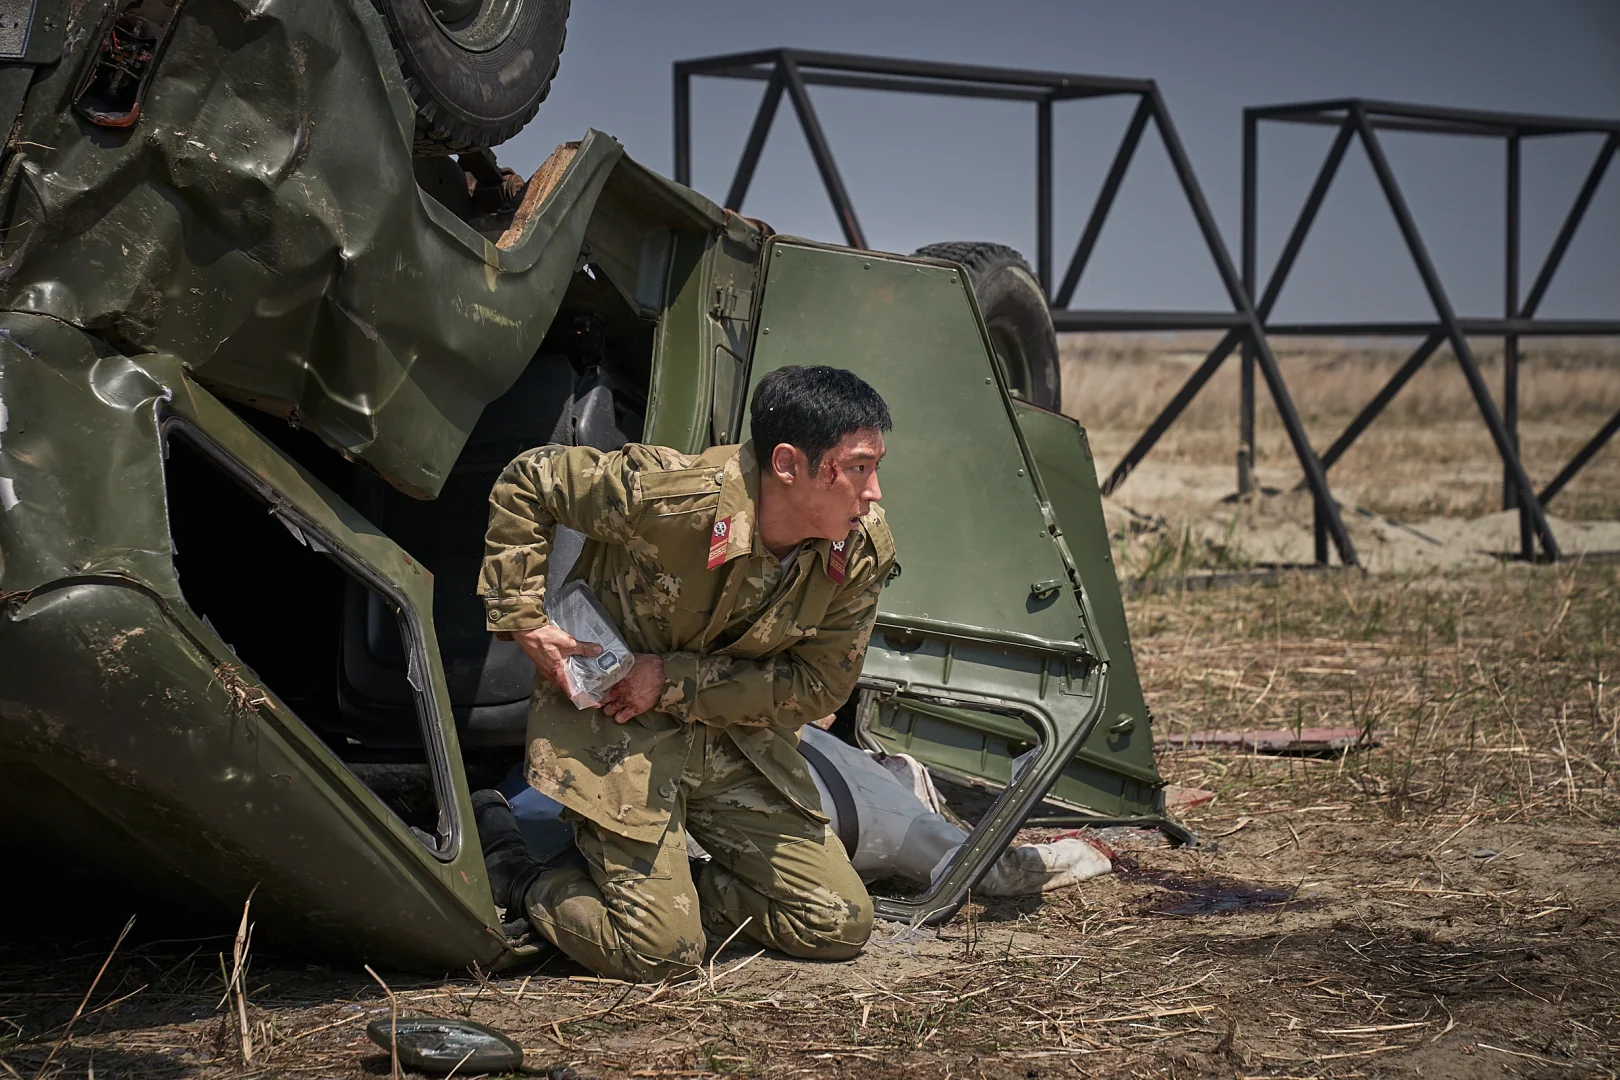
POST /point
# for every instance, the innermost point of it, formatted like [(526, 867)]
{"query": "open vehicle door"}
[(993, 656)]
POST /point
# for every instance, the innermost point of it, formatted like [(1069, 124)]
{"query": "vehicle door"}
[(987, 662)]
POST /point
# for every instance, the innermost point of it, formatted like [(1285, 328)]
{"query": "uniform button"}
[(667, 791), (719, 480), (494, 616)]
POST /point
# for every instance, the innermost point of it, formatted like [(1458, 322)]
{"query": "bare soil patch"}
[(1441, 905)]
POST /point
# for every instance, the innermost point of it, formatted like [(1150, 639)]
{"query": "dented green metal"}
[(258, 243)]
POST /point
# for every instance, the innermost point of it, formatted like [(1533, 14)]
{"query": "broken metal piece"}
[(437, 1044), (132, 39), (440, 1045), (1311, 740)]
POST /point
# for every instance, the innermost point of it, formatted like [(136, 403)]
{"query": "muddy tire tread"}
[(438, 132)]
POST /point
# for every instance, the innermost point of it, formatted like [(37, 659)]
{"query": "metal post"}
[(683, 126), (1043, 194), (1279, 273), (1448, 319), (1242, 303), (1105, 202), (756, 142), (821, 152), (1510, 345), (1245, 453)]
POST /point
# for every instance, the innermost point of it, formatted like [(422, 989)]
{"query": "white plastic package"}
[(575, 610)]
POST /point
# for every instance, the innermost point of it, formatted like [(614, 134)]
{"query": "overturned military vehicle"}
[(264, 345)]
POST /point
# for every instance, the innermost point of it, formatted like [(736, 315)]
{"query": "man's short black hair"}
[(813, 408)]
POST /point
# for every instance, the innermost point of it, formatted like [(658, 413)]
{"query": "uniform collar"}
[(734, 532)]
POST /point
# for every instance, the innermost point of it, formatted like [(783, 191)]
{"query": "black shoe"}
[(506, 857), (512, 868)]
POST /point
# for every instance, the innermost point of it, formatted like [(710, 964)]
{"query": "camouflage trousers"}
[(637, 914)]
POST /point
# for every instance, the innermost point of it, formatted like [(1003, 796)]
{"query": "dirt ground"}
[(1441, 904)]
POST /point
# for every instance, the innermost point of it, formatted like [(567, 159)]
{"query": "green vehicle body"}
[(254, 284)]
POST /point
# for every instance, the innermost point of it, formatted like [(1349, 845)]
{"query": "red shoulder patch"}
[(717, 542), (837, 560)]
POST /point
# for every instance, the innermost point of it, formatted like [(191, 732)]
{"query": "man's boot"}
[(512, 868)]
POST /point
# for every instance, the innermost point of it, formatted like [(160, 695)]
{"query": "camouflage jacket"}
[(672, 553)]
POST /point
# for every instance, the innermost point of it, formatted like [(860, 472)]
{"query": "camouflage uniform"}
[(751, 653)]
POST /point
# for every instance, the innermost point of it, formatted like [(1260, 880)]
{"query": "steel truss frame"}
[(792, 71), (1361, 119)]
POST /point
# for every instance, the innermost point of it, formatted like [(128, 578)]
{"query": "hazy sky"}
[(922, 169)]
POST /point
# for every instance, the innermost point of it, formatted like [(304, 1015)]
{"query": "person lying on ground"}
[(898, 828), (746, 579)]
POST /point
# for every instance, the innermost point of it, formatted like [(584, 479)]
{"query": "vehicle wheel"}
[(1016, 314), (476, 69)]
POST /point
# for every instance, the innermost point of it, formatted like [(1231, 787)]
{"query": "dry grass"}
[(1454, 910), (1117, 384)]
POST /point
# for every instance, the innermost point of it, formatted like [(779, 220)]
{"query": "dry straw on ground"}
[(1421, 488), (1428, 454), (1441, 905)]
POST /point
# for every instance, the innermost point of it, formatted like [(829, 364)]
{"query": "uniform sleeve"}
[(578, 486), (803, 683)]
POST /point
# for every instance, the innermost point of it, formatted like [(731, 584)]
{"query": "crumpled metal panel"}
[(262, 223), (132, 740), (81, 494)]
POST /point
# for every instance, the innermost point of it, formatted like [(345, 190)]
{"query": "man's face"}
[(829, 503)]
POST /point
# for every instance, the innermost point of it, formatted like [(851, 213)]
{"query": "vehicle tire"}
[(477, 70), (1016, 314)]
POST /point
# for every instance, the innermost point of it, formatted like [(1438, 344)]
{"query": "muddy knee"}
[(824, 928), (635, 953), (852, 925), (637, 934), (654, 961)]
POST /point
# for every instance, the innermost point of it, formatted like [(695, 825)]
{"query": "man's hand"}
[(636, 692), (549, 646)]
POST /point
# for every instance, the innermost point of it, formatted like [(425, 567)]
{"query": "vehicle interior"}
[(331, 647)]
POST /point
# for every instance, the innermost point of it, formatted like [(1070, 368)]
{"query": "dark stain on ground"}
[(1183, 896)]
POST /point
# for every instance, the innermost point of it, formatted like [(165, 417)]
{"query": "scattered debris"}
[(242, 695), (437, 1044), (1304, 741)]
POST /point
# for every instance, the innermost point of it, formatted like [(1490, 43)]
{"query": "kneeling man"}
[(746, 578)]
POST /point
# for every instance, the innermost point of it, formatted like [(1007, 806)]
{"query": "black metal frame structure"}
[(790, 72), (1362, 119)]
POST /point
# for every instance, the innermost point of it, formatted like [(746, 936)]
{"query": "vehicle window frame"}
[(320, 541)]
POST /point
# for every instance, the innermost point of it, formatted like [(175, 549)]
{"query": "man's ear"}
[(785, 460)]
